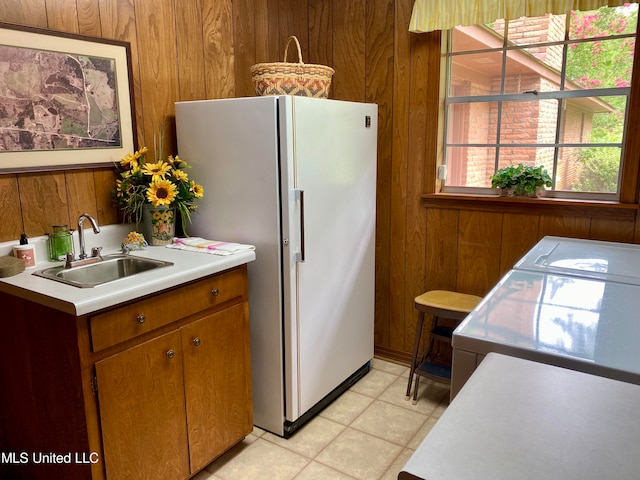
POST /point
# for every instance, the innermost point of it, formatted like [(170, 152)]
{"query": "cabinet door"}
[(217, 372), (141, 401)]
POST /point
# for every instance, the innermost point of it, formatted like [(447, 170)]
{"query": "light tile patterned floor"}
[(368, 433)]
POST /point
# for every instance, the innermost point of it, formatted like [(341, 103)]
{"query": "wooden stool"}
[(441, 304)]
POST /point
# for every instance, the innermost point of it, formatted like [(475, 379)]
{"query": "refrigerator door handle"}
[(301, 257)]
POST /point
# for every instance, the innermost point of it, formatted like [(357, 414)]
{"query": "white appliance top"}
[(516, 419), (618, 262), (579, 323)]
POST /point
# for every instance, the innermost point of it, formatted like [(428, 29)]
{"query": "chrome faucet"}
[(96, 230), (95, 252)]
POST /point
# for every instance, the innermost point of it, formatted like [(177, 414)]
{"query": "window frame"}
[(628, 171)]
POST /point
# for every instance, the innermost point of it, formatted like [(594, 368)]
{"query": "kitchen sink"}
[(112, 267)]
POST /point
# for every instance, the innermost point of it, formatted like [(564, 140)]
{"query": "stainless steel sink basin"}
[(112, 267)]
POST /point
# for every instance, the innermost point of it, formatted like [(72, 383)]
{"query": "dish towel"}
[(197, 244)]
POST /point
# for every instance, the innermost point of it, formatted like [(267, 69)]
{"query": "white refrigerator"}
[(296, 177)]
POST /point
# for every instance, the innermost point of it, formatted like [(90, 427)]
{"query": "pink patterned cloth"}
[(197, 244)]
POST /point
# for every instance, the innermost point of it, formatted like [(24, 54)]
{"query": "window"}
[(549, 91)]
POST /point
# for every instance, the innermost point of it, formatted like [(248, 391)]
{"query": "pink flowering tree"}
[(597, 64)]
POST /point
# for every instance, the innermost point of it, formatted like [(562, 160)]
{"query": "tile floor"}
[(368, 433)]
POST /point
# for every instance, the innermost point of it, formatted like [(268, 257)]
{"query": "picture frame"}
[(67, 100)]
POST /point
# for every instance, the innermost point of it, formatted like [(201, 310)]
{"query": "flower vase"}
[(158, 224)]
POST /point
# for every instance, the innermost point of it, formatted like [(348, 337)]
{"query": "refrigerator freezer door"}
[(232, 145), (331, 178)]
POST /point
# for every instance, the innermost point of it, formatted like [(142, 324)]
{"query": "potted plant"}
[(521, 180), (154, 192)]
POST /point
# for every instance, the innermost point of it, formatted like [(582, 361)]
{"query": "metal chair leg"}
[(414, 358)]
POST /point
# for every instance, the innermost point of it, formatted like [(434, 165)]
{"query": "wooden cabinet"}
[(217, 377), (203, 366), (142, 412), (156, 388)]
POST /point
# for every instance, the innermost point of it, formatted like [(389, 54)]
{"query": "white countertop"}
[(187, 266), (516, 419)]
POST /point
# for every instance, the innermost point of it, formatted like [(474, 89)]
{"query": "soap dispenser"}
[(25, 251)]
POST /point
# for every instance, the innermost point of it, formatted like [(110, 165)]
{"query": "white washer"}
[(584, 324)]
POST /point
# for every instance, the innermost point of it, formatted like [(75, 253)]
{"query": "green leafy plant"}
[(524, 180)]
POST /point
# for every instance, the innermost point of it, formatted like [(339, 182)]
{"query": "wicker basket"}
[(282, 78)]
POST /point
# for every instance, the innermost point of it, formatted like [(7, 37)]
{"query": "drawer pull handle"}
[(141, 318), (215, 292), (171, 354), (196, 341)]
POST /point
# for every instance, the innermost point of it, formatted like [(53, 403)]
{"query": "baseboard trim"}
[(396, 356)]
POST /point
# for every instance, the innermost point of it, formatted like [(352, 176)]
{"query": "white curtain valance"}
[(429, 15)]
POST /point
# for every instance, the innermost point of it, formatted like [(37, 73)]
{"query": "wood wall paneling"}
[(398, 194), (320, 28), (380, 21), (44, 202), (218, 48), (478, 251), (62, 15), (32, 13), (244, 46), (12, 225), (349, 50), (519, 234), (81, 194), (89, 18), (416, 215), (612, 230), (189, 48)]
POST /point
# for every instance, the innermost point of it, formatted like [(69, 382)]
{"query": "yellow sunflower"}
[(161, 192), (180, 175), (197, 190), (130, 160), (157, 170)]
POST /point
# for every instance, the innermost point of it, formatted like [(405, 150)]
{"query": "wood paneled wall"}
[(197, 49)]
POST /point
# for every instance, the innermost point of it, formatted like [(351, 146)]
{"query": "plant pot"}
[(158, 224), (512, 192)]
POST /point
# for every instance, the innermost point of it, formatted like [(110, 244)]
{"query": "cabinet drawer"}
[(129, 321)]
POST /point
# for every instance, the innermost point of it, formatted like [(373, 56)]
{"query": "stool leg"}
[(425, 356), (416, 345), (415, 391)]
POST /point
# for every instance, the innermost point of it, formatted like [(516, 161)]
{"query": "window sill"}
[(541, 206)]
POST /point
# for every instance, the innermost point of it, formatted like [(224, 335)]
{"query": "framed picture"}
[(65, 100)]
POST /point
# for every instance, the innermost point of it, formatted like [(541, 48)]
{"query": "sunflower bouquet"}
[(161, 183)]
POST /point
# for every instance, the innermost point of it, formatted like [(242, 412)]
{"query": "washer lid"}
[(617, 262), (584, 324)]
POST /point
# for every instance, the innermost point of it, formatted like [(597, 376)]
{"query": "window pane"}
[(529, 122), (535, 30), (593, 120), (600, 64), (473, 122), (476, 74), (476, 37), (588, 169), (470, 166), (603, 22)]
